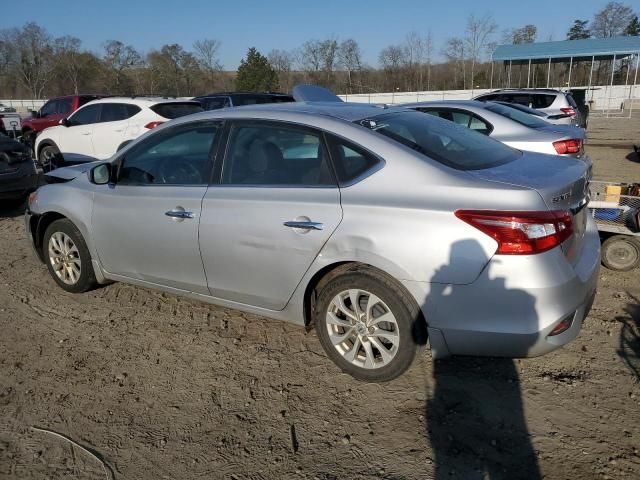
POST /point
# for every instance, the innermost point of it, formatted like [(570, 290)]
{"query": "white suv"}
[(101, 127)]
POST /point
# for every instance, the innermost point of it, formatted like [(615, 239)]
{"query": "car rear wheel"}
[(368, 325), (621, 252), (68, 258), (49, 157)]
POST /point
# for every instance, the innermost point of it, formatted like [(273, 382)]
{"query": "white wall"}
[(604, 97)]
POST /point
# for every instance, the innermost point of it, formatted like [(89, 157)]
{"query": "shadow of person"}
[(635, 155), (475, 418), (630, 337)]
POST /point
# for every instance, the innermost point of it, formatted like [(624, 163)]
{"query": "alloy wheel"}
[(362, 328), (65, 258)]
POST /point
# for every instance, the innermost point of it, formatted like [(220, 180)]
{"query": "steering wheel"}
[(174, 171)]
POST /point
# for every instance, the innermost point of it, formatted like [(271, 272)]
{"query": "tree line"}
[(34, 64)]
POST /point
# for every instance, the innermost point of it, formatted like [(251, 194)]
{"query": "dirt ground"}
[(158, 387)]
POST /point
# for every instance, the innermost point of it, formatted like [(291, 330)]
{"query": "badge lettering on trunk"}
[(561, 197)]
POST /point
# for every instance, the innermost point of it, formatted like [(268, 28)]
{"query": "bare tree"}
[(281, 61), (454, 51), (479, 31), (34, 57), (611, 20), (319, 58), (393, 59), (206, 54), (526, 34), (350, 58), (69, 59), (119, 59)]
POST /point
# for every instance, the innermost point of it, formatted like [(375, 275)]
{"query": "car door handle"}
[(179, 214), (304, 225)]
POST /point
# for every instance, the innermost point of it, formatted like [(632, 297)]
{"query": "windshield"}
[(516, 115), (448, 143)]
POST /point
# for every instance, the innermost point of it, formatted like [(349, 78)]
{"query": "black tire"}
[(621, 253), (49, 157), (87, 279), (411, 327)]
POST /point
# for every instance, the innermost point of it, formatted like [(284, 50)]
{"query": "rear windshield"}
[(516, 115), (572, 101), (448, 143), (239, 100), (176, 109), (522, 108)]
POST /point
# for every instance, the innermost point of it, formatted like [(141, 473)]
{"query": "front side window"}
[(441, 140), (177, 156), (65, 105), (276, 155), (49, 108), (85, 116)]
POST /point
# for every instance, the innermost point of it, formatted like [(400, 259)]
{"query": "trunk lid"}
[(562, 182)]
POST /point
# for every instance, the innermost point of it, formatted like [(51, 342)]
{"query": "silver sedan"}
[(510, 126), (380, 227)]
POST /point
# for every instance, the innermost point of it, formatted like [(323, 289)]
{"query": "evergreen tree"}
[(579, 30), (633, 29), (255, 73)]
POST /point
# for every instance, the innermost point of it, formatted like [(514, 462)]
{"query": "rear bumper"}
[(513, 306)]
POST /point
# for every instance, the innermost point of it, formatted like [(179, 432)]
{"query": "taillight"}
[(568, 111), (151, 125), (568, 146), (521, 233)]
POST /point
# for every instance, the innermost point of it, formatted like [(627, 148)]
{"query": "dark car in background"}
[(51, 113), (18, 175), (215, 101)]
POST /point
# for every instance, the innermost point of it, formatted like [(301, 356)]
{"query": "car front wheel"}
[(67, 257), (49, 158), (368, 325)]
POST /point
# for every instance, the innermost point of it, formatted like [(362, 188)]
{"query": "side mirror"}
[(64, 122), (100, 174)]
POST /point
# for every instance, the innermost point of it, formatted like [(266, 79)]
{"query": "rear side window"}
[(465, 119), (351, 162), (176, 109), (487, 98), (276, 155), (542, 101), (441, 140), (112, 112), (65, 105)]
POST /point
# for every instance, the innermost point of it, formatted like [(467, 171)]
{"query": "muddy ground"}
[(156, 387)]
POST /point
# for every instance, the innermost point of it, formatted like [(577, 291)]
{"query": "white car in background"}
[(102, 127)]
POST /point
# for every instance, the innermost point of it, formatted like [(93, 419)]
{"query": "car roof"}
[(227, 94), (524, 90), (447, 103), (342, 110), (146, 101)]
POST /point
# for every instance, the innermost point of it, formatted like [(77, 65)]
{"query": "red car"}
[(51, 113)]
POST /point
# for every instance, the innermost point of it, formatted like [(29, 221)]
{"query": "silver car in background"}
[(559, 119), (509, 126), (380, 227)]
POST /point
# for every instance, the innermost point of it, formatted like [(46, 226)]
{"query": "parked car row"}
[(381, 227)]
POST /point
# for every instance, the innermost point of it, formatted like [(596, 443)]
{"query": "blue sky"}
[(285, 24)]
